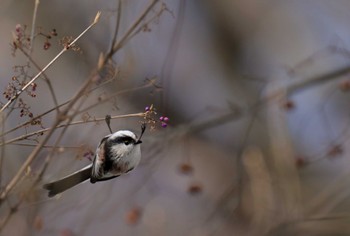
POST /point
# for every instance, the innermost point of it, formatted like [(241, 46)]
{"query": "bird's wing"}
[(99, 161)]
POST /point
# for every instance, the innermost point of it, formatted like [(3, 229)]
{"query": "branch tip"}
[(97, 17), (101, 60)]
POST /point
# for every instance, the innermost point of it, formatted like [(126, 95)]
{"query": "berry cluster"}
[(22, 40), (164, 121), (16, 85), (149, 114), (47, 43), (25, 109)]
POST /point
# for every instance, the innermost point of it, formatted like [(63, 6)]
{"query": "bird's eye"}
[(126, 142)]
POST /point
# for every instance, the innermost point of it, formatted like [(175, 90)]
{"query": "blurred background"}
[(257, 93)]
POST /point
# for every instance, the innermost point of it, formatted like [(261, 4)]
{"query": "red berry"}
[(300, 162), (345, 86), (47, 45), (289, 105), (53, 32), (194, 189)]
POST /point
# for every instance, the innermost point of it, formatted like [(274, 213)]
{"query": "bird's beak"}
[(143, 128), (138, 142)]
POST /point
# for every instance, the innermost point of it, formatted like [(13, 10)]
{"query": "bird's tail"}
[(69, 181)]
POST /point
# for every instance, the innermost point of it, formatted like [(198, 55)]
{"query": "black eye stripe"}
[(123, 139)]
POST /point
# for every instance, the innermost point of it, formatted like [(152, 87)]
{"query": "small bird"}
[(117, 154)]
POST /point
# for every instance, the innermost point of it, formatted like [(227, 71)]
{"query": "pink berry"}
[(161, 118), (164, 125), (166, 119), (146, 108)]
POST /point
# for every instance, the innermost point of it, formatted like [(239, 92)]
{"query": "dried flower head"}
[(66, 41)]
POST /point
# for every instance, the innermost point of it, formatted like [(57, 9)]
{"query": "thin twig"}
[(58, 140), (32, 33), (141, 27), (45, 146), (117, 26), (2, 151), (12, 211), (81, 111), (113, 96), (38, 132), (33, 119), (47, 112), (170, 57), (25, 165), (298, 85), (46, 79), (125, 38), (49, 64)]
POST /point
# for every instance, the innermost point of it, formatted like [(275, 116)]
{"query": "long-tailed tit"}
[(117, 154)]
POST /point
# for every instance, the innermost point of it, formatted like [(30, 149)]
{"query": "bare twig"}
[(58, 140), (47, 112), (50, 63), (13, 210), (150, 20), (33, 119), (113, 96), (126, 38), (22, 137), (117, 25), (171, 54), (81, 111), (298, 85), (2, 151), (32, 33), (46, 79), (45, 146)]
